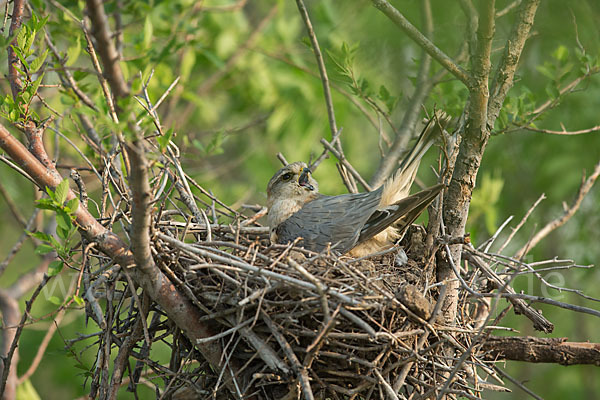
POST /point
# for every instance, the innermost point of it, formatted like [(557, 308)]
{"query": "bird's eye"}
[(287, 176)]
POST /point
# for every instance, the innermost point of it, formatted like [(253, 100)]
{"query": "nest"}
[(290, 320), (286, 323)]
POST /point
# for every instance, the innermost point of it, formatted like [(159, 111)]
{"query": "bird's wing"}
[(402, 213), (335, 220)]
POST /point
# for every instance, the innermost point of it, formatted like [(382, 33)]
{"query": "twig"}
[(518, 384), (301, 372), (397, 18), (282, 158), (42, 347), (346, 164), (322, 70), (563, 131), (8, 358), (12, 207), (252, 268), (504, 75), (325, 153), (585, 187), (103, 82), (545, 300), (17, 246), (522, 222), (539, 322)]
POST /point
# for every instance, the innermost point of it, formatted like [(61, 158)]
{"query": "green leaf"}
[(26, 391), (78, 300), (29, 43), (72, 205), (63, 220), (214, 147), (21, 57), (61, 191), (55, 267), (187, 64), (73, 52), (552, 91), (561, 53), (44, 249), (163, 140), (383, 93), (38, 62), (548, 70), (40, 235), (45, 204), (148, 29), (36, 84), (22, 37), (53, 299)]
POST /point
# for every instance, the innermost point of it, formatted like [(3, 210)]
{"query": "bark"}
[(542, 350), (178, 307)]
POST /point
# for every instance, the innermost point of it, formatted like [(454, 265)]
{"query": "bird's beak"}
[(303, 179)]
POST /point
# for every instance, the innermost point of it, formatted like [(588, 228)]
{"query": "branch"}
[(141, 210), (299, 369), (472, 147), (540, 323), (322, 70), (411, 116), (563, 131), (585, 187), (106, 48), (13, 60), (9, 308), (542, 350), (503, 79), (179, 309), (412, 32)]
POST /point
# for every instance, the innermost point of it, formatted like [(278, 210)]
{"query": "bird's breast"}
[(282, 210)]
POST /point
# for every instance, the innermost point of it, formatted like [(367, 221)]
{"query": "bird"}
[(355, 224)]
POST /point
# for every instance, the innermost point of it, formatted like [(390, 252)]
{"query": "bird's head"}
[(292, 182)]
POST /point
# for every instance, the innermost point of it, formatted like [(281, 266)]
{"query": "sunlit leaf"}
[(61, 191)]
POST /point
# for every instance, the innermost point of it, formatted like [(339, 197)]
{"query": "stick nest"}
[(291, 321)]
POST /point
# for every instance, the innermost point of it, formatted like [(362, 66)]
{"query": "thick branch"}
[(13, 60), (542, 350), (503, 79), (140, 210), (456, 205), (9, 308), (179, 309), (106, 48), (412, 32)]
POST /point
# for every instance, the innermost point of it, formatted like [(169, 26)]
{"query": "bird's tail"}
[(399, 186), (401, 214)]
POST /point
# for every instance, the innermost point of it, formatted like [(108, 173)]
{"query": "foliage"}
[(248, 88)]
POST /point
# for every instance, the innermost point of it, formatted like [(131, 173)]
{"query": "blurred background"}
[(249, 88)]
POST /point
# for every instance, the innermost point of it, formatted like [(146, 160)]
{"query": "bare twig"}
[(397, 18), (299, 369), (521, 223), (322, 70), (585, 187), (563, 131)]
